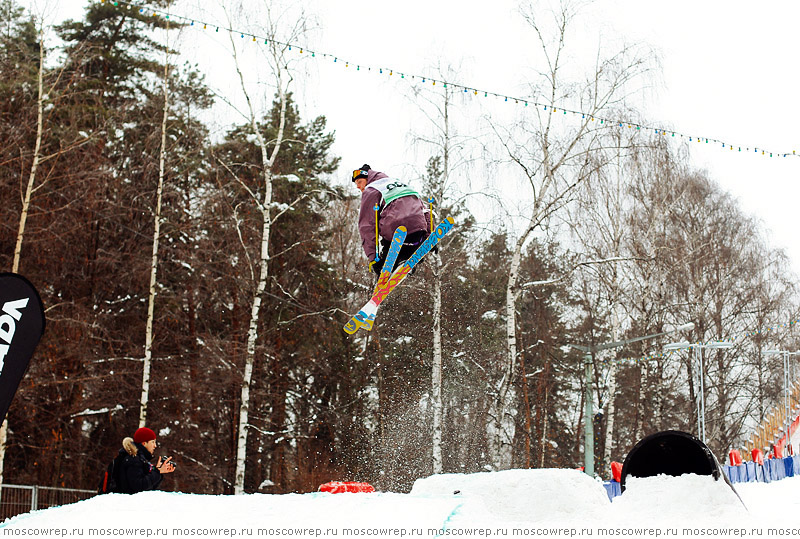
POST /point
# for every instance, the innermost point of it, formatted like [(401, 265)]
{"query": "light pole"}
[(701, 400), (589, 351), (787, 383)]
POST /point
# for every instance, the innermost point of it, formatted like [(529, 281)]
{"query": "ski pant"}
[(413, 241)]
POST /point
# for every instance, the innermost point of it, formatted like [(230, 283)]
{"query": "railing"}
[(777, 423), (18, 499)]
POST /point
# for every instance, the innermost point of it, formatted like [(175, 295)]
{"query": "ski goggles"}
[(359, 173)]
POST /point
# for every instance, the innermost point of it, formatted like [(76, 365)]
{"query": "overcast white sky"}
[(728, 73)]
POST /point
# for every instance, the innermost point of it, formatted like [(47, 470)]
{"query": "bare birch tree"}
[(708, 264), (447, 147), (26, 202), (553, 159), (151, 297), (275, 52)]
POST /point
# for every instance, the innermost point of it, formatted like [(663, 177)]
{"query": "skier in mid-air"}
[(391, 220), (397, 205)]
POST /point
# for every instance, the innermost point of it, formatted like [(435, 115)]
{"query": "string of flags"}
[(525, 102), (734, 340), (469, 90)]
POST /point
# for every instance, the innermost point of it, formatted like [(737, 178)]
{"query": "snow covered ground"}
[(514, 503)]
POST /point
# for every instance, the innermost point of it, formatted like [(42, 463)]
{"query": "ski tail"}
[(436, 236)]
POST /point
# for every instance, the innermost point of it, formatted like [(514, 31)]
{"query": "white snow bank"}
[(776, 502), (524, 499), (151, 510), (524, 495), (667, 499)]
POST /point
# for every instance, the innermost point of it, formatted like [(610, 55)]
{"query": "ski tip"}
[(362, 319), (350, 328)]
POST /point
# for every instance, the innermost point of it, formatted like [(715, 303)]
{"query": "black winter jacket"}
[(136, 473)]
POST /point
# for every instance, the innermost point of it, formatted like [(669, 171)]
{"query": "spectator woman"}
[(137, 473)]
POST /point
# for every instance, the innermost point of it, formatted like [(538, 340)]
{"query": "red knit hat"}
[(143, 435)]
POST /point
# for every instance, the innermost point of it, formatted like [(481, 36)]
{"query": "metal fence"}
[(17, 499)]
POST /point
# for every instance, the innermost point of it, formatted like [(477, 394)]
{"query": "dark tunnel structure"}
[(671, 452)]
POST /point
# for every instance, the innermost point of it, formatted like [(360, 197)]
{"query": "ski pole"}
[(430, 206), (377, 236)]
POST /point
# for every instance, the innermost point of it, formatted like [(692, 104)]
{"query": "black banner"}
[(21, 327)]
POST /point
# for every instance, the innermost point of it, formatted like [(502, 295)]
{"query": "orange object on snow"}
[(758, 456), (616, 471), (734, 457), (337, 487)]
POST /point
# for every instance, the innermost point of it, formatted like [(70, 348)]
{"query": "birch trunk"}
[(148, 344), (610, 408), (547, 169), (503, 426), (436, 369), (639, 427), (611, 389), (435, 186), (543, 445), (26, 202), (252, 332), (504, 400)]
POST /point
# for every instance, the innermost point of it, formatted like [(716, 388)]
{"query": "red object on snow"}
[(337, 487), (734, 457), (758, 456), (616, 471)]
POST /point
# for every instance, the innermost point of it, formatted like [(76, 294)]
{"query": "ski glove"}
[(375, 268)]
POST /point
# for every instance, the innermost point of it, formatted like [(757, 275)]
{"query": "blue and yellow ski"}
[(366, 316)]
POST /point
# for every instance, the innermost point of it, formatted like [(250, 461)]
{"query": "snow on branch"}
[(100, 411)]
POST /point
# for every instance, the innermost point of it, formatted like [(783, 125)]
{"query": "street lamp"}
[(787, 383), (589, 351), (701, 400)]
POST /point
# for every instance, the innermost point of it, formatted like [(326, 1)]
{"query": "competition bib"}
[(392, 189)]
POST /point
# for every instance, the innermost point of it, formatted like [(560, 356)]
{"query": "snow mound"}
[(496, 499), (198, 514), (542, 495), (775, 502), (689, 497)]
